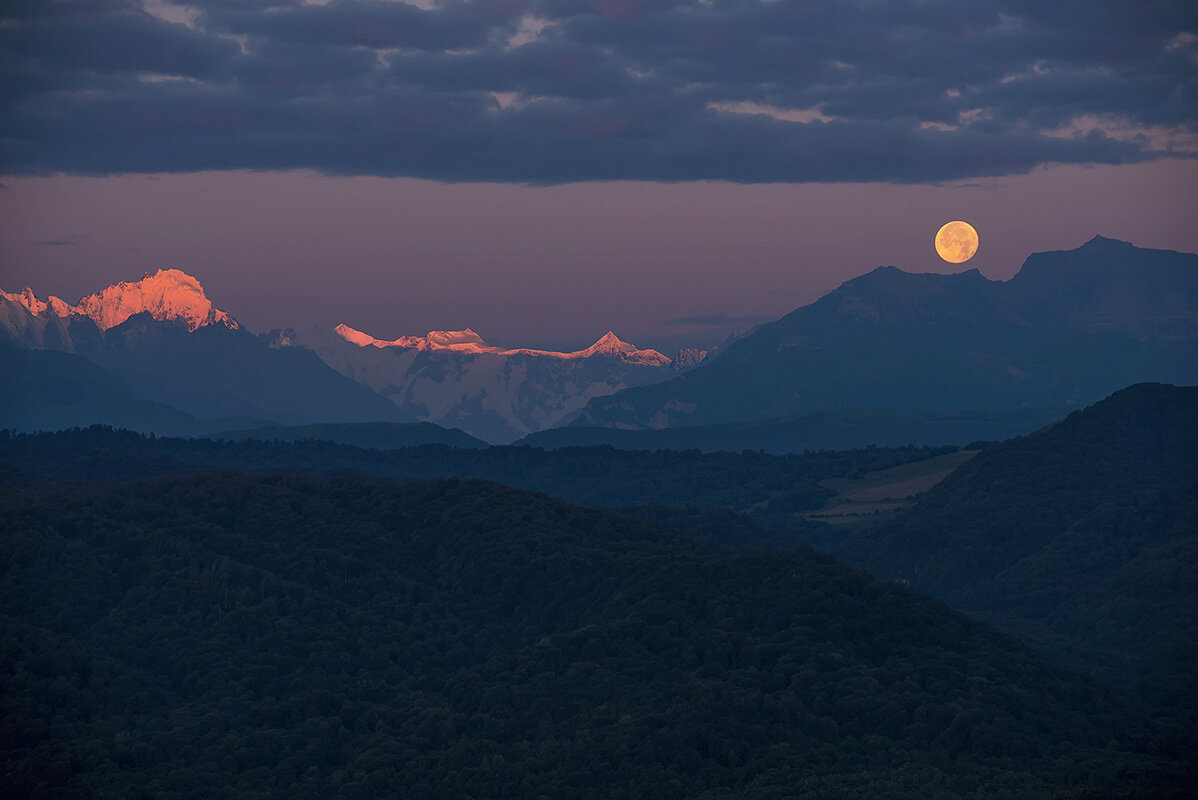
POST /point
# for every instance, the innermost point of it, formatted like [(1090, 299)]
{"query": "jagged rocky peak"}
[(168, 294), (689, 357), (462, 341), (36, 307), (611, 345), (27, 298), (281, 337), (453, 339)]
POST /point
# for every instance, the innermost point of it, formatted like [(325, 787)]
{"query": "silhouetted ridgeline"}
[(1067, 330), (234, 635)]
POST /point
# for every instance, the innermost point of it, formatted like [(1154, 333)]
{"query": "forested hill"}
[(1081, 538), (381, 435), (599, 475), (238, 635)]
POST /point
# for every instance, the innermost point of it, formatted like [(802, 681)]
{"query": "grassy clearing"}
[(887, 490)]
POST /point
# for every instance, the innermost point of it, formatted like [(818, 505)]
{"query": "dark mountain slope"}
[(231, 635), (1109, 285), (212, 372), (1082, 538), (217, 372), (1068, 330), (49, 390)]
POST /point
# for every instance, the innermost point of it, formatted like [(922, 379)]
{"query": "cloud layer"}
[(549, 91)]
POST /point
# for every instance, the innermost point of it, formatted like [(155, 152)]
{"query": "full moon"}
[(956, 242)]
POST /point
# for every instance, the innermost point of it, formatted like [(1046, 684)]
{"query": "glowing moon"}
[(956, 242)]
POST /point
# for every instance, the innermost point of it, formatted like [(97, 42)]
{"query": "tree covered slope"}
[(227, 634), (1082, 538)]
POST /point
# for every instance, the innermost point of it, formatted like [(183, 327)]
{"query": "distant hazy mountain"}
[(820, 430), (381, 435), (167, 343), (1069, 329), (50, 390), (456, 379), (1081, 538)]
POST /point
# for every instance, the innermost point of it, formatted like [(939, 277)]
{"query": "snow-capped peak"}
[(609, 344), (456, 340), (355, 336), (27, 298), (168, 294), (467, 341)]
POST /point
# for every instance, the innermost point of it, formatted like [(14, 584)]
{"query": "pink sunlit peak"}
[(168, 294)]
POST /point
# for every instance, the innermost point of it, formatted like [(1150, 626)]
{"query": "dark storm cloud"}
[(370, 23), (108, 37), (595, 89)]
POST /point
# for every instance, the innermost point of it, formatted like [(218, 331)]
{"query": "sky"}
[(542, 171)]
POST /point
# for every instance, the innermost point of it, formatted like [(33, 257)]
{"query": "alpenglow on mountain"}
[(1070, 328), (458, 380), (467, 341), (163, 351), (168, 294)]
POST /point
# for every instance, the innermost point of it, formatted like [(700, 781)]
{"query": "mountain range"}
[(1070, 328), (456, 379), (157, 354), (890, 357), (166, 343)]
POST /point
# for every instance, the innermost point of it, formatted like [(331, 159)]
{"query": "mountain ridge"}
[(1070, 327), (459, 381), (168, 294), (903, 341), (470, 342), (454, 379), (1079, 538), (190, 358)]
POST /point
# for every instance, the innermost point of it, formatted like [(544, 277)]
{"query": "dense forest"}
[(254, 635), (1081, 538), (820, 430), (750, 480)]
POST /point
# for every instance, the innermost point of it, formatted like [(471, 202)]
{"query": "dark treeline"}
[(594, 475), (237, 635)]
